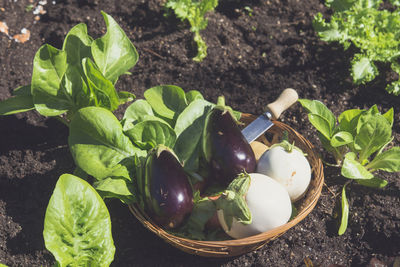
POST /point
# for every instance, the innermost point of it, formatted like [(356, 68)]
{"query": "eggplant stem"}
[(221, 101)]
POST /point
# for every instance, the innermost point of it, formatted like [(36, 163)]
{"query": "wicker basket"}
[(229, 248)]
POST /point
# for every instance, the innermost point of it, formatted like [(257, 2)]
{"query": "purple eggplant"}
[(225, 148), (168, 195)]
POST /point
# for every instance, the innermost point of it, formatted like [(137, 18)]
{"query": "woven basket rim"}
[(217, 248)]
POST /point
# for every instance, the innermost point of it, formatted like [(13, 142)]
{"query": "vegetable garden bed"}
[(255, 49)]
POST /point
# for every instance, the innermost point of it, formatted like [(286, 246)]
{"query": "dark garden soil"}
[(252, 55)]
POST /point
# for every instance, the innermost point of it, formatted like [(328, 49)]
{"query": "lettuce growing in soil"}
[(372, 30)]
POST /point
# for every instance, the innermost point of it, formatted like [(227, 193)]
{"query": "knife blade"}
[(273, 110)]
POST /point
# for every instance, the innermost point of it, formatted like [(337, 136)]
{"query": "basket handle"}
[(286, 99)]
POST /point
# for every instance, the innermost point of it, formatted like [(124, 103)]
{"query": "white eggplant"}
[(268, 203), (287, 164)]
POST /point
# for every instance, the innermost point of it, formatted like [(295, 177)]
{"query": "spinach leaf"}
[(75, 89), (348, 120), (102, 90), (77, 225), (353, 169), (22, 90), (114, 53), (388, 160), (189, 129), (322, 124), (77, 45), (320, 117), (116, 188), (373, 132), (341, 138), (20, 102), (49, 66), (374, 182), (74, 85), (167, 101), (197, 109), (135, 113), (150, 133), (98, 144)]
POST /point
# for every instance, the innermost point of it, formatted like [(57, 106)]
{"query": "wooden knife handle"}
[(287, 98)]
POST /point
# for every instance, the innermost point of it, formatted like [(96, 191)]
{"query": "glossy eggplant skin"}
[(225, 148), (168, 194)]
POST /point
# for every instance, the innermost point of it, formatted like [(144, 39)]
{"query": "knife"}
[(273, 110)]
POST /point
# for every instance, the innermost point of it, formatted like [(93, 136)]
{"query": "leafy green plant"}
[(101, 149), (77, 225), (372, 30), (70, 83), (358, 140), (194, 11), (83, 73)]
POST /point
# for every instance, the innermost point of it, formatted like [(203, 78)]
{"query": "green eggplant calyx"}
[(240, 184), (286, 145), (221, 101), (233, 202), (222, 106), (157, 150)]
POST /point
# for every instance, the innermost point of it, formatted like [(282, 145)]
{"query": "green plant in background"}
[(28, 8), (194, 11), (83, 73), (358, 140), (249, 10), (375, 32)]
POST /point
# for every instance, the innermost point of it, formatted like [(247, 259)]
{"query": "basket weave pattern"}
[(229, 248)]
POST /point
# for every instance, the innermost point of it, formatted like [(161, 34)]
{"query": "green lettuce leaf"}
[(77, 225)]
